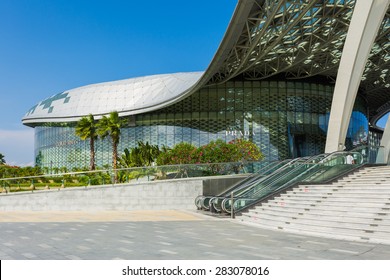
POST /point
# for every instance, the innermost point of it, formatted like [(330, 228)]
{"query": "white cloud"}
[(17, 146)]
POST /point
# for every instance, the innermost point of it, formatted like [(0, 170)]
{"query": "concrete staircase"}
[(356, 207)]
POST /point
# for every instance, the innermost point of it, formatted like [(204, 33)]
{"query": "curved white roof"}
[(260, 42), (127, 97)]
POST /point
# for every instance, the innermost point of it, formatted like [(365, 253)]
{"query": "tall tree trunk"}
[(114, 157), (92, 154)]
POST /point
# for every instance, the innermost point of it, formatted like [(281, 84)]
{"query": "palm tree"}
[(2, 160), (86, 129), (111, 126), (130, 158), (148, 152)]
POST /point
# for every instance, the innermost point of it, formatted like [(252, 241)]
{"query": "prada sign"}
[(239, 133)]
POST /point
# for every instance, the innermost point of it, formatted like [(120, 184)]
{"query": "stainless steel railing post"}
[(232, 205)]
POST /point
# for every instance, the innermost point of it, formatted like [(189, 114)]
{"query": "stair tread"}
[(330, 228), (334, 235), (375, 215), (332, 204), (369, 223), (376, 197), (355, 207)]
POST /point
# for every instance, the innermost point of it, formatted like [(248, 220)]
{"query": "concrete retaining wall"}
[(168, 194)]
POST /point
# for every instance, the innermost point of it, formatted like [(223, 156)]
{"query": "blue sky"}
[(47, 47)]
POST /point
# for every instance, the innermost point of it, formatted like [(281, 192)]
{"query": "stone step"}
[(350, 210), (341, 200), (364, 217), (302, 225), (337, 195), (362, 182), (342, 192), (337, 185), (370, 172), (319, 210), (318, 232), (377, 188), (367, 177), (376, 168), (330, 203), (377, 176), (339, 191), (356, 207), (377, 226)]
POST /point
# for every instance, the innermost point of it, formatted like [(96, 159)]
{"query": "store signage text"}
[(239, 133)]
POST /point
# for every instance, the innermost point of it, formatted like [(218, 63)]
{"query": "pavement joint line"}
[(316, 242), (205, 245), (162, 237), (56, 238), (235, 239), (344, 251), (259, 235), (168, 252), (295, 249), (126, 241), (214, 254), (125, 250), (84, 248), (267, 257), (165, 243), (225, 234), (297, 236), (362, 244), (72, 257), (45, 246), (313, 258), (196, 237), (246, 246), (29, 255)]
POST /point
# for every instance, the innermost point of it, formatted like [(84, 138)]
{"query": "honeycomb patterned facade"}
[(284, 118)]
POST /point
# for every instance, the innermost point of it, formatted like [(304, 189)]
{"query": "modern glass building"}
[(273, 80)]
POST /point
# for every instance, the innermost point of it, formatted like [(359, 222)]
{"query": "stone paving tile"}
[(195, 238)]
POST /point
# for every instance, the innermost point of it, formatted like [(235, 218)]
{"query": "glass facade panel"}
[(285, 119)]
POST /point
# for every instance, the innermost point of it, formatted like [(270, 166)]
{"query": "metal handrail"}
[(313, 165), (127, 175), (248, 179), (244, 185), (277, 178), (124, 169)]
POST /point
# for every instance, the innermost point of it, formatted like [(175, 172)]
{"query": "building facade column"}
[(385, 142), (366, 20)]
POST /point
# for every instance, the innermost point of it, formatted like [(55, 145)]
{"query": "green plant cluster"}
[(142, 155), (8, 171), (215, 152)]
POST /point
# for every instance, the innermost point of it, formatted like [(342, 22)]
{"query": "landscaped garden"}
[(143, 162)]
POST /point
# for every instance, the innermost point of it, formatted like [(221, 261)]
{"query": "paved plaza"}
[(161, 235)]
